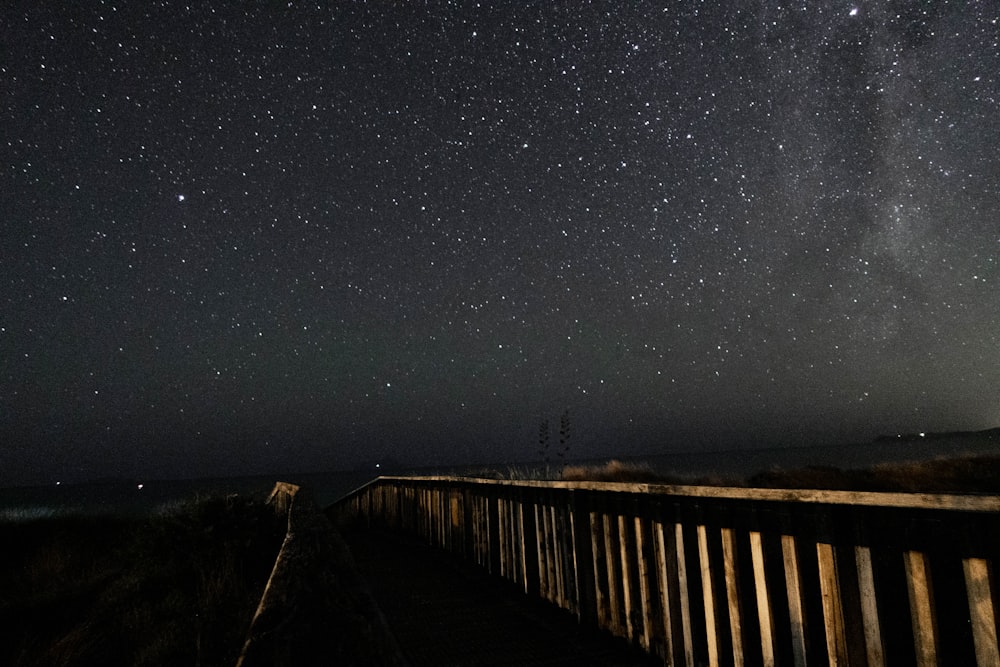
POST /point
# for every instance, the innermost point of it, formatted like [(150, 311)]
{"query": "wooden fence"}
[(726, 576)]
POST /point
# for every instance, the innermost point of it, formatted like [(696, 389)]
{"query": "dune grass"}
[(613, 471), (177, 588), (963, 474)]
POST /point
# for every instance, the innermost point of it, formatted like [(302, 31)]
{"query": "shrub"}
[(965, 474), (177, 588), (613, 471)]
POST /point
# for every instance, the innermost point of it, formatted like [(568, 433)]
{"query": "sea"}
[(146, 497), (135, 497)]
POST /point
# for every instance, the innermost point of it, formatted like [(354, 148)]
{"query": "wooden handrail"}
[(723, 575)]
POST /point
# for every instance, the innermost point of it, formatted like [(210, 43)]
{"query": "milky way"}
[(242, 239)]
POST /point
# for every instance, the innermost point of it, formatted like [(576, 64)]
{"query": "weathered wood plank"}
[(645, 585), (663, 581), (921, 611), (875, 651), (613, 571), (622, 556), (764, 612), (543, 551), (732, 594), (833, 612), (793, 586), (684, 591), (965, 503), (708, 595), (600, 569), (982, 610), (583, 559)]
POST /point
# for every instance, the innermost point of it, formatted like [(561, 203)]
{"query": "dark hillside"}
[(167, 590)]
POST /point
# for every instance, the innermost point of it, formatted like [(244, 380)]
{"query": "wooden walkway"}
[(444, 613)]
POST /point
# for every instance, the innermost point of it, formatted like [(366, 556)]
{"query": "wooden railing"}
[(314, 603), (732, 576)]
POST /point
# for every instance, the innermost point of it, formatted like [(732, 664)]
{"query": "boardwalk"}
[(444, 613), (721, 575)]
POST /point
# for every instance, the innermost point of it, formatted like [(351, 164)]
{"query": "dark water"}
[(143, 497), (140, 497)]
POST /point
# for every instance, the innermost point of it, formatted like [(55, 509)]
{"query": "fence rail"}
[(726, 576)]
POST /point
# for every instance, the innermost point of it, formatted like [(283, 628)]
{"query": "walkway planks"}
[(444, 613)]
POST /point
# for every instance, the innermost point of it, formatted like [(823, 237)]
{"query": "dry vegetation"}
[(613, 471), (639, 473), (971, 474), (178, 589)]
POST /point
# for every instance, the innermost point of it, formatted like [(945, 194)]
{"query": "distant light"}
[(181, 197), (58, 483), (854, 11), (378, 465), (140, 487), (923, 435)]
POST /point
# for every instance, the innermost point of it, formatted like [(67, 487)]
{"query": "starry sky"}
[(246, 237)]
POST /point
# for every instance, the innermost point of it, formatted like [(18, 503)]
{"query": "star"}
[(389, 204)]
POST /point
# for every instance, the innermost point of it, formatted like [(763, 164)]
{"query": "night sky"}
[(251, 237)]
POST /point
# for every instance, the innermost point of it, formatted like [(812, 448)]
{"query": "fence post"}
[(837, 559), (918, 586), (583, 556), (793, 587), (529, 545), (492, 530), (644, 556), (981, 611), (612, 559), (729, 557)]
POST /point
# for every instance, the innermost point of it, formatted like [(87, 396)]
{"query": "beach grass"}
[(178, 587), (955, 475)]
